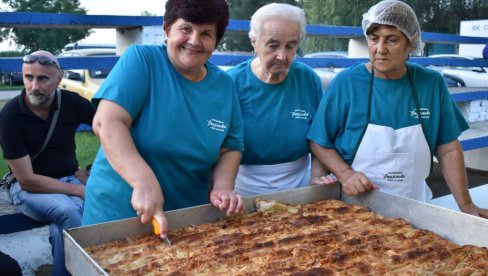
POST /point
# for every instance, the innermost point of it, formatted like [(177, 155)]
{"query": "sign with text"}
[(152, 35), (477, 28)]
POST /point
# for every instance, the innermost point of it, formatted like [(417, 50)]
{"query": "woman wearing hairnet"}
[(381, 121)]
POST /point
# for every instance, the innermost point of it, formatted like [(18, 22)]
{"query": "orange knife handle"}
[(155, 224)]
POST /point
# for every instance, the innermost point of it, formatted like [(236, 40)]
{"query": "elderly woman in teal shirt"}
[(279, 97)]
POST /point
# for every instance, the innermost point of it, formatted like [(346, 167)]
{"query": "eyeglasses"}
[(43, 60)]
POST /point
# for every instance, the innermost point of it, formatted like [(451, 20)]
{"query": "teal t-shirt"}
[(179, 127), (341, 116), (276, 116)]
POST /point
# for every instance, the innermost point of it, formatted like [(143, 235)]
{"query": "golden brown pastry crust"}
[(323, 238)]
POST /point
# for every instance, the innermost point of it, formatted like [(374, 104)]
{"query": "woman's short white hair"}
[(277, 11)]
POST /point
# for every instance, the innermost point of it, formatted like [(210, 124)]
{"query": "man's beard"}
[(37, 98)]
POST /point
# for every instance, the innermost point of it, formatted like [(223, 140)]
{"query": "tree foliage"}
[(50, 39), (334, 13), (440, 16), (444, 16), (11, 54)]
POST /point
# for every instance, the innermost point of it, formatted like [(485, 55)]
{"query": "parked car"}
[(12, 78), (453, 81), (327, 74), (470, 76), (450, 80), (78, 46), (241, 56), (331, 54), (85, 81)]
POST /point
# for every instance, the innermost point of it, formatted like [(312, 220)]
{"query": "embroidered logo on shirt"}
[(299, 114), (424, 112), (216, 125), (394, 176)]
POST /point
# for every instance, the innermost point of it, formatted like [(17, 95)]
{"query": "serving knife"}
[(157, 231)]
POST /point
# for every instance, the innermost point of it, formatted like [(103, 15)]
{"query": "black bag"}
[(7, 180)]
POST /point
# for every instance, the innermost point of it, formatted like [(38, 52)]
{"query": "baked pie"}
[(327, 237)]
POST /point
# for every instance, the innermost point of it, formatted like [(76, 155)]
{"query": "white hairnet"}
[(397, 14)]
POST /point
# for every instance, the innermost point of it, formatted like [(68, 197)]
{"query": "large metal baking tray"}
[(454, 226)]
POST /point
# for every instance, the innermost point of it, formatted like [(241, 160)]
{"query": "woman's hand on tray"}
[(474, 210), (354, 183), (323, 180), (147, 200), (227, 200)]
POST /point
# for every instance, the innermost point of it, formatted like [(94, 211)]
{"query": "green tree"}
[(333, 13), (50, 39), (147, 13), (440, 16), (445, 16), (243, 10), (12, 53)]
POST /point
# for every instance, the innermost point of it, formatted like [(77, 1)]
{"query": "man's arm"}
[(85, 110), (451, 159), (35, 183), (353, 183)]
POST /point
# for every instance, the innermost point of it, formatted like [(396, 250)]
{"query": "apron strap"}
[(368, 114)]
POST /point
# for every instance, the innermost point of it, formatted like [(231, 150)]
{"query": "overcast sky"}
[(111, 7), (118, 7), (123, 7)]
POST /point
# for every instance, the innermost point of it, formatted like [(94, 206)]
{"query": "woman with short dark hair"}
[(169, 124)]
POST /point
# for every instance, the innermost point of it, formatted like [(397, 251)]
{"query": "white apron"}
[(396, 160), (261, 179), (399, 160)]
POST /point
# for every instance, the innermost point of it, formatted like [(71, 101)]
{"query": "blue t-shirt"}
[(276, 116), (179, 127), (341, 117)]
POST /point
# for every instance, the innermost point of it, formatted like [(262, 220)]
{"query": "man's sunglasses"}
[(43, 60)]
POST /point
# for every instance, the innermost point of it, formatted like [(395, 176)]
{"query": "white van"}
[(76, 46)]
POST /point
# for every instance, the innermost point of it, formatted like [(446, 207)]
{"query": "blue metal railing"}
[(54, 20)]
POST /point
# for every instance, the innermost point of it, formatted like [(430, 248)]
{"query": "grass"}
[(87, 145), (4, 87)]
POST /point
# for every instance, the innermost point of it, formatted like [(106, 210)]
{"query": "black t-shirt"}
[(22, 133)]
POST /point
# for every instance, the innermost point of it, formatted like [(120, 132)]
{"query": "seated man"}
[(43, 161)]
